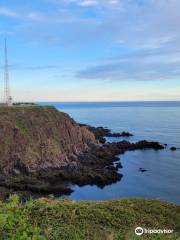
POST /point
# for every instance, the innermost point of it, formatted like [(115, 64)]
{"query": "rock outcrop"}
[(173, 148), (101, 132), (38, 138)]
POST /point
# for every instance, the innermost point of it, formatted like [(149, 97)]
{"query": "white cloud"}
[(35, 16), (90, 3), (140, 66), (4, 11), (84, 3), (152, 25)]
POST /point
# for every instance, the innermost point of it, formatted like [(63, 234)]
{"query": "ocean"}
[(156, 121)]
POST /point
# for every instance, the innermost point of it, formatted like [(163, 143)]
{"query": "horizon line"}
[(105, 101)]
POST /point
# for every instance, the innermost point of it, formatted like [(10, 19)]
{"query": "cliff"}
[(45, 151), (38, 138)]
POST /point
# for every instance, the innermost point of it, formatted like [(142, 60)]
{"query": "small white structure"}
[(10, 101)]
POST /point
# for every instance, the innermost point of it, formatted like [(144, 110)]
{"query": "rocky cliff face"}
[(38, 138), (44, 151)]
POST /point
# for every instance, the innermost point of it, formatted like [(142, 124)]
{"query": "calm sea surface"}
[(157, 121)]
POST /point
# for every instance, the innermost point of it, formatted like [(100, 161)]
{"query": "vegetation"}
[(68, 220), (24, 104)]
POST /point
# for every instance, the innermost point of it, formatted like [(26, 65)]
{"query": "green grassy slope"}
[(68, 220)]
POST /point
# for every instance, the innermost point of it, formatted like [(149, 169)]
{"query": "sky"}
[(91, 50)]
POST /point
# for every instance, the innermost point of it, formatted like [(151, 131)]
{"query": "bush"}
[(14, 221)]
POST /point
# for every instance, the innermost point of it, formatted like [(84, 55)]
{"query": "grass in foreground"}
[(67, 220)]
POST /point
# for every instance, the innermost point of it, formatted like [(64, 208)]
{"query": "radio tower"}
[(7, 97)]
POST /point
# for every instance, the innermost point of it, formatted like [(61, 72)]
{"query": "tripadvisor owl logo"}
[(139, 231)]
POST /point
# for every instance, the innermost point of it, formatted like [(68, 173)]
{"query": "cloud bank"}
[(147, 29)]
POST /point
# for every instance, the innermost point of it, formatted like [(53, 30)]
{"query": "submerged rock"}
[(142, 170)]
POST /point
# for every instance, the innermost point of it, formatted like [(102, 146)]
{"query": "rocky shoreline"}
[(82, 156), (101, 132), (95, 166)]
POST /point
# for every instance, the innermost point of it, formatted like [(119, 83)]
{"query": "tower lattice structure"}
[(7, 97)]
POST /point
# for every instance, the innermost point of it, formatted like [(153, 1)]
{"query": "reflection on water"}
[(159, 181)]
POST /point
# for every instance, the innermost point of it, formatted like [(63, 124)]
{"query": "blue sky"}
[(92, 50)]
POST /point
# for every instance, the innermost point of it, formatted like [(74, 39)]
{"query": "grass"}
[(87, 220)]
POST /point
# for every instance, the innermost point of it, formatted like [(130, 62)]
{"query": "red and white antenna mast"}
[(7, 97)]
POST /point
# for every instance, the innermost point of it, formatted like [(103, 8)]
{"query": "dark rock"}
[(123, 134), (101, 132), (142, 170), (119, 165), (173, 148), (102, 140)]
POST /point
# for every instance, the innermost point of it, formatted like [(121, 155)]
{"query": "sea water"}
[(156, 121)]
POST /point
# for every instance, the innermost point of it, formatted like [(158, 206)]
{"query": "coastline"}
[(95, 163), (79, 154)]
